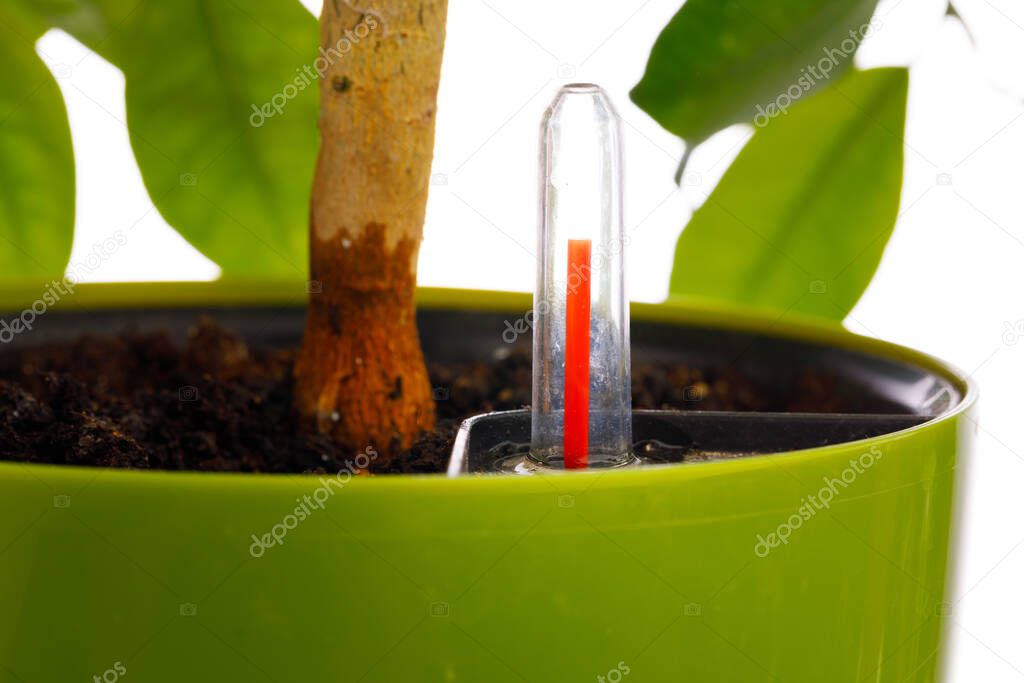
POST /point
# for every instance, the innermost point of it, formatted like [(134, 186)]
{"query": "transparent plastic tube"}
[(581, 392)]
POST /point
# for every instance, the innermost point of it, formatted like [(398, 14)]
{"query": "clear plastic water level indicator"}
[(581, 392)]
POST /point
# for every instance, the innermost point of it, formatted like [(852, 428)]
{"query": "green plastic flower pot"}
[(716, 571)]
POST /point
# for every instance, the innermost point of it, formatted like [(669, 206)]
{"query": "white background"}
[(950, 283)]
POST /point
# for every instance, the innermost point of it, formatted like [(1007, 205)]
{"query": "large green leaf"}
[(717, 61), (195, 70), (800, 220), (37, 168)]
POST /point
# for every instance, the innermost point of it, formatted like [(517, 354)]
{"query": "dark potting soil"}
[(137, 400)]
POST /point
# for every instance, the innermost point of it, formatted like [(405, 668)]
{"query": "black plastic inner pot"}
[(877, 395)]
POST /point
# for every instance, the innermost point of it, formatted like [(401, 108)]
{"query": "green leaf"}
[(37, 166), (717, 61), (195, 70), (799, 221)]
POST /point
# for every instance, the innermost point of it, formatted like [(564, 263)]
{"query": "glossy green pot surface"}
[(720, 571)]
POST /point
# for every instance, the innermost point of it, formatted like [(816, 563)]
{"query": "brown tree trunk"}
[(360, 374)]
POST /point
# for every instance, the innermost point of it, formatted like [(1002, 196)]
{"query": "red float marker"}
[(577, 356)]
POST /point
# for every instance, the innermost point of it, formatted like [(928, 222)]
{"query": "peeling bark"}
[(360, 374)]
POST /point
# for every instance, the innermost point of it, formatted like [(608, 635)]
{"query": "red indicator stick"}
[(577, 356), (581, 355)]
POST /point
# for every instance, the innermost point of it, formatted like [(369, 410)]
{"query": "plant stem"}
[(360, 374)]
